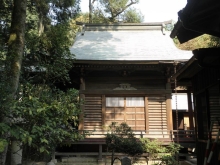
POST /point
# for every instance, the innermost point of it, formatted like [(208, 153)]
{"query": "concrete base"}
[(92, 160)]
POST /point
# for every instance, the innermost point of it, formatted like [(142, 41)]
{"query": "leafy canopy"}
[(106, 11)]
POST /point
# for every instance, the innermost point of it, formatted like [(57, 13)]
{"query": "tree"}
[(14, 57), (48, 117), (114, 11), (121, 138), (114, 7), (132, 15), (43, 61)]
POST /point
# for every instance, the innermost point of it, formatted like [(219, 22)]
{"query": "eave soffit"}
[(202, 58), (197, 18)]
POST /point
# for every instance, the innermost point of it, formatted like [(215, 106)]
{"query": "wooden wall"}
[(140, 80), (147, 81), (157, 116), (153, 116), (207, 110)]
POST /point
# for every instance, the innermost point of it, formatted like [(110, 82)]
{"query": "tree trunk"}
[(90, 11), (16, 44)]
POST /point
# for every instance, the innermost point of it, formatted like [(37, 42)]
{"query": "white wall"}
[(182, 103)]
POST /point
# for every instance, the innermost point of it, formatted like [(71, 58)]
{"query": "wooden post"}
[(100, 152), (146, 115), (189, 98), (169, 112), (103, 110), (169, 107), (82, 97)]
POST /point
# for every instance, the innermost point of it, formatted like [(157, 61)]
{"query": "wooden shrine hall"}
[(123, 74)]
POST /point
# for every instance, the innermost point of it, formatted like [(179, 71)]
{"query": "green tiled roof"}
[(129, 43)]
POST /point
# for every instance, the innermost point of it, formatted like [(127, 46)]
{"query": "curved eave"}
[(78, 61)]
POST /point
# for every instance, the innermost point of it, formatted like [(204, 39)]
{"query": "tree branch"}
[(127, 6)]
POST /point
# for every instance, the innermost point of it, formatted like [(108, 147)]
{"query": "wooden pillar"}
[(169, 112), (103, 109), (146, 115), (82, 97), (169, 106), (100, 152), (191, 116)]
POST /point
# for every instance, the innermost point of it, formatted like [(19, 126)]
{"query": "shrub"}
[(164, 154)]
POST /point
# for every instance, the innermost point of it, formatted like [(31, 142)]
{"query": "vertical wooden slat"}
[(146, 114), (82, 107), (103, 109), (169, 112)]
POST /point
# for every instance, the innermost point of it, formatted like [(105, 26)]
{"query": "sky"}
[(153, 10)]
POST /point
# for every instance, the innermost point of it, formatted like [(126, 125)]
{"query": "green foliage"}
[(164, 154), (203, 41), (43, 118), (40, 116), (120, 138), (133, 16), (172, 149), (5, 12), (49, 53), (109, 11), (98, 16), (153, 147), (3, 144)]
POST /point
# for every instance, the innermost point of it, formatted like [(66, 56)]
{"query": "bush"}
[(165, 154), (120, 138)]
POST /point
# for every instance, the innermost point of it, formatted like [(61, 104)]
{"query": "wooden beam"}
[(180, 91), (161, 92)]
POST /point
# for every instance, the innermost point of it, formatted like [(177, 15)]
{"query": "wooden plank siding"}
[(93, 113), (152, 116), (157, 113)]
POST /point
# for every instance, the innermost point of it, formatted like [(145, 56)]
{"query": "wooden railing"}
[(185, 137), (165, 136)]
